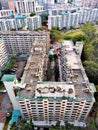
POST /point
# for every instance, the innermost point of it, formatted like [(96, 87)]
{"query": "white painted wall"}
[(9, 88)]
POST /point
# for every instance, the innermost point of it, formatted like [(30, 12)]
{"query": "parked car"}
[(3, 91)]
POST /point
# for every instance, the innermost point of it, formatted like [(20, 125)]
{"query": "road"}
[(5, 103)]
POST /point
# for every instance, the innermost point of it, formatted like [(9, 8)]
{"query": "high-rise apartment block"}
[(66, 20), (22, 41), (85, 3), (34, 22), (4, 4), (51, 2), (25, 7), (18, 22), (12, 5), (90, 3), (5, 13), (69, 99), (3, 54), (75, 18)]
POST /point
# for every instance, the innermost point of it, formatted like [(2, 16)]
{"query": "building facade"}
[(21, 41), (4, 4), (65, 20), (25, 6), (70, 99), (3, 54), (18, 22), (73, 18), (85, 3), (5, 13), (34, 22), (12, 5), (90, 3)]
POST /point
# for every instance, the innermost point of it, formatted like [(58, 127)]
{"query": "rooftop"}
[(33, 71), (77, 88), (76, 73), (8, 78), (55, 89), (15, 116), (39, 33)]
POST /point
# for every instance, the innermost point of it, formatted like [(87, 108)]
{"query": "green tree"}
[(54, 34), (39, 29), (26, 125), (14, 127), (72, 27), (92, 124), (64, 29), (58, 124), (88, 52), (14, 57), (12, 29), (97, 22), (95, 44), (89, 31), (79, 37), (44, 23), (23, 125), (32, 14), (91, 69), (97, 88)]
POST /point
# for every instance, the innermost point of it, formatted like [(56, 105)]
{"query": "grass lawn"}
[(71, 34)]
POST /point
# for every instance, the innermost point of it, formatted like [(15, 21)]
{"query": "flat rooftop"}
[(78, 87), (54, 89), (78, 77), (8, 78), (33, 72)]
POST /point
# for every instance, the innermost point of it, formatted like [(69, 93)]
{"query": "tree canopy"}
[(88, 52), (89, 31), (32, 14), (44, 23), (89, 55), (91, 69), (54, 34), (23, 125)]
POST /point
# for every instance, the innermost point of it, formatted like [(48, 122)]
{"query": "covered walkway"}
[(15, 116)]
